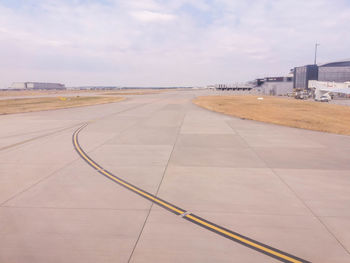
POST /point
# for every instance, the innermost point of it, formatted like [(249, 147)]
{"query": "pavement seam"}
[(64, 166), (108, 140), (158, 188), (132, 108), (74, 208), (293, 192), (59, 169), (39, 137), (38, 182), (311, 211), (121, 132), (141, 231), (234, 236), (122, 111), (28, 133)]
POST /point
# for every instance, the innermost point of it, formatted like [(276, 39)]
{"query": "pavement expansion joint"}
[(38, 137), (234, 236), (185, 214)]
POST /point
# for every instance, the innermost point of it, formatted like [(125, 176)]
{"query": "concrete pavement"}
[(285, 187)]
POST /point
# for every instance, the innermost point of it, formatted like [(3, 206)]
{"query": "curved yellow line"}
[(201, 222)]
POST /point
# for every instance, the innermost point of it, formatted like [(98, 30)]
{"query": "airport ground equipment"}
[(323, 88)]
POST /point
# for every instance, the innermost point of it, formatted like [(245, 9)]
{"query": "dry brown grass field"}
[(51, 103), (22, 93), (14, 93), (288, 112)]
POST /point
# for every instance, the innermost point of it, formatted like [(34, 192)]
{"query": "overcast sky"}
[(166, 43)]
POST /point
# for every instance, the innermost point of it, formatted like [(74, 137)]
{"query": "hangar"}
[(37, 86), (338, 71)]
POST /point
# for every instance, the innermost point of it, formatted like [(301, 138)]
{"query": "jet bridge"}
[(322, 88)]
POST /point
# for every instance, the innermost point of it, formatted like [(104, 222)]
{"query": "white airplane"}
[(324, 88)]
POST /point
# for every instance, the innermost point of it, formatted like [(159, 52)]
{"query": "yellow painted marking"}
[(253, 244), (201, 222), (85, 157)]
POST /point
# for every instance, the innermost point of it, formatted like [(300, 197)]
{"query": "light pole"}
[(316, 45)]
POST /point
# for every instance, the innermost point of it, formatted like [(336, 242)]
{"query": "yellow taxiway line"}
[(248, 242)]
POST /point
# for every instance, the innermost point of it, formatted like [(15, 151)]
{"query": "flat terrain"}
[(51, 103), (137, 91), (284, 187), (21, 93), (56, 93), (289, 112)]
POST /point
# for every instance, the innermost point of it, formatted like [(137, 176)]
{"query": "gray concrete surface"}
[(285, 187), (341, 101)]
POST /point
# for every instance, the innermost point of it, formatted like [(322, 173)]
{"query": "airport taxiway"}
[(286, 188)]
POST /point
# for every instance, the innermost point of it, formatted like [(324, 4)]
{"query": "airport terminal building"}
[(338, 71), (275, 86), (335, 71), (37, 86)]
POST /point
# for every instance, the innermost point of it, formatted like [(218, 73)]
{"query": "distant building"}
[(334, 71), (275, 86), (338, 71), (212, 87), (234, 87), (96, 88), (37, 86), (303, 74)]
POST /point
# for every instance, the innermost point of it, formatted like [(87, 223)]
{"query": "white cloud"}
[(142, 5), (149, 16), (175, 42)]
